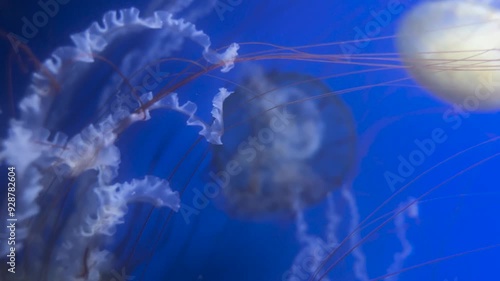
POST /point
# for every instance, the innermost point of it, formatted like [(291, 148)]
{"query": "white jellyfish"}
[(37, 147), (452, 48)]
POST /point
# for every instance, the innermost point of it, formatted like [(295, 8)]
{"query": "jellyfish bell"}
[(289, 142), (69, 221), (452, 48), (284, 148)]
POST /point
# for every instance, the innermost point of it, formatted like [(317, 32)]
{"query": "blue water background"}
[(389, 119)]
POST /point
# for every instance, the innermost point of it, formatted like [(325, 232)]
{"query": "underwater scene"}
[(238, 140)]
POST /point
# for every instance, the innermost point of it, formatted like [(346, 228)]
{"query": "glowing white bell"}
[(452, 48)]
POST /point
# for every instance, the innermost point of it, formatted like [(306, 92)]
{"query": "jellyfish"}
[(453, 51), (47, 155), (161, 144), (274, 162)]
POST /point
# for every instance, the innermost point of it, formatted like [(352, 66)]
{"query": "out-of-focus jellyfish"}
[(452, 48), (281, 130), (289, 142)]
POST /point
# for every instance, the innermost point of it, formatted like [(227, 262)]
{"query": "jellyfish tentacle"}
[(454, 51), (38, 147), (212, 133)]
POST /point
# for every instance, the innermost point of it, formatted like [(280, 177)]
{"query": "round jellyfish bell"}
[(452, 48), (284, 149)]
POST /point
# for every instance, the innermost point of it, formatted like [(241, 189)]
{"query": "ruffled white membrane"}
[(212, 133), (452, 48), (92, 155)]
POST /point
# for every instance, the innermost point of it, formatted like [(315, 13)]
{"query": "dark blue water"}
[(376, 139)]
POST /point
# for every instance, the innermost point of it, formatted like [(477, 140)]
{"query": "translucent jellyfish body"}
[(283, 148), (72, 194), (452, 48)]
